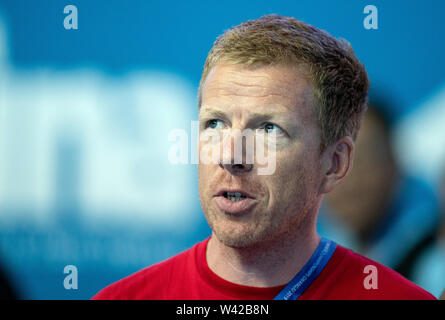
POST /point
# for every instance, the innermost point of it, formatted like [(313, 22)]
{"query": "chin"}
[(248, 232), (236, 242), (239, 239)]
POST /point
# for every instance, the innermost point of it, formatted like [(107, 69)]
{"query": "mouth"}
[(235, 201), (234, 196)]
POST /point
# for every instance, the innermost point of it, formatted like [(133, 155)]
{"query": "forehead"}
[(279, 88)]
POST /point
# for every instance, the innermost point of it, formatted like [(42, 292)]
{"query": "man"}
[(282, 78)]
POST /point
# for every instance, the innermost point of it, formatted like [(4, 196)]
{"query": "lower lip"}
[(232, 207)]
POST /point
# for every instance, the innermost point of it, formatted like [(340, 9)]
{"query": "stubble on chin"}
[(231, 233), (238, 237), (263, 229), (266, 226)]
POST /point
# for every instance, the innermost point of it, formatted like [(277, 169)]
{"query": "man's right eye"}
[(214, 124)]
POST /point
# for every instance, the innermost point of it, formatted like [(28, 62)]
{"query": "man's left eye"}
[(272, 128)]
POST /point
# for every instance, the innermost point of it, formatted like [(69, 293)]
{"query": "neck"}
[(265, 265)]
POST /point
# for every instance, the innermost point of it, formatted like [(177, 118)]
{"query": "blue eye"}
[(214, 124), (270, 127)]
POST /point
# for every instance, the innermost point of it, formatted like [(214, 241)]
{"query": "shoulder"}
[(377, 281), (148, 283), (350, 275)]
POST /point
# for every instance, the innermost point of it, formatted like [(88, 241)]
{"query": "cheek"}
[(283, 183), (203, 187), (203, 176), (208, 180), (295, 172), (289, 164)]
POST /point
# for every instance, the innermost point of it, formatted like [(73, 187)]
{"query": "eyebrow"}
[(211, 112), (253, 118)]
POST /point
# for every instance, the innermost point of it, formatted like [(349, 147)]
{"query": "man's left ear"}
[(337, 163)]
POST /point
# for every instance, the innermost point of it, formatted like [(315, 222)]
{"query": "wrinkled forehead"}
[(283, 88)]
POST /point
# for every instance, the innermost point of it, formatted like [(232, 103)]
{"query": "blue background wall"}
[(50, 216), (405, 53)]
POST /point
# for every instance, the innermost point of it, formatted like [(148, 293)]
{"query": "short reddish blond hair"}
[(340, 82)]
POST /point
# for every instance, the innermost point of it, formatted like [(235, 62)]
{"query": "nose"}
[(237, 169), (237, 153)]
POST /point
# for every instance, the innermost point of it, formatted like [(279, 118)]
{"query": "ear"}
[(337, 163)]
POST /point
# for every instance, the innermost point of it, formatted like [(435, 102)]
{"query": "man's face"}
[(269, 99)]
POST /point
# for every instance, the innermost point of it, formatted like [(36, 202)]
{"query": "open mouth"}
[(234, 196), (235, 202)]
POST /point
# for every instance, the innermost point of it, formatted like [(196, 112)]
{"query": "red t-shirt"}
[(187, 276)]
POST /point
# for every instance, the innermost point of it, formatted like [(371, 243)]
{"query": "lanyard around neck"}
[(295, 288)]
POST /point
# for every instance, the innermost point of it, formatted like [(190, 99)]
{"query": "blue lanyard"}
[(295, 288)]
